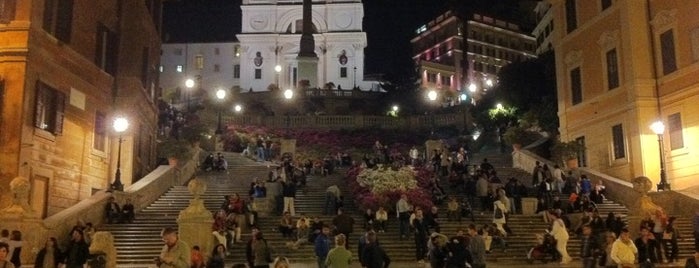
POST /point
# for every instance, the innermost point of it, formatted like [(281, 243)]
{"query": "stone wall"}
[(621, 191)]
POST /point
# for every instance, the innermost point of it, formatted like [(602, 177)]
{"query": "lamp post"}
[(659, 129), (432, 96), (355, 78), (120, 125), (288, 95), (189, 83), (220, 95), (278, 70)]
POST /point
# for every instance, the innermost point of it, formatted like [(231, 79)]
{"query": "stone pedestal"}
[(288, 146), (195, 221), (264, 206), (529, 206)]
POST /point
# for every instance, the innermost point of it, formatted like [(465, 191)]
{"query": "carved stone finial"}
[(647, 207), (642, 185), (196, 187), (103, 243), (20, 186)]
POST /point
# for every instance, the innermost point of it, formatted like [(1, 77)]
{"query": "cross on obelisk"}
[(307, 58)]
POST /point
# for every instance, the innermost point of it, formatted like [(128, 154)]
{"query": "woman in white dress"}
[(560, 233)]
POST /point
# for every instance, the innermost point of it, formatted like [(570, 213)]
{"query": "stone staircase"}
[(139, 242)]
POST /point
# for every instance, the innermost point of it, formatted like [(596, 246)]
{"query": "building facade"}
[(544, 27), (212, 66), (67, 69), (621, 66), (453, 54), (270, 36)]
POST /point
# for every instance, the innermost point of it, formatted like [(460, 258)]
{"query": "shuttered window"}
[(50, 105), (58, 18)]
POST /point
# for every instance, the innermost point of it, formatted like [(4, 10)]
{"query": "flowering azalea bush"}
[(383, 186)]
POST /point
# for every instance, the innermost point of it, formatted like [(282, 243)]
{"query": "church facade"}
[(270, 37)]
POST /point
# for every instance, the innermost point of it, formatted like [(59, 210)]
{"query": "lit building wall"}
[(454, 55), (544, 27), (59, 99), (270, 36), (211, 65), (615, 77)]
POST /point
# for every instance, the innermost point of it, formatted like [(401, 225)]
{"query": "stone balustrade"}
[(349, 121)]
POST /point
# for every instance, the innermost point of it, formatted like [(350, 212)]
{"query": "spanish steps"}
[(139, 242)]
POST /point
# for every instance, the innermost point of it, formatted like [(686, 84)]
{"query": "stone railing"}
[(349, 121), (676, 203), (619, 190)]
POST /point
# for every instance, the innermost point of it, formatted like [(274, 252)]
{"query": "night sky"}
[(389, 24)]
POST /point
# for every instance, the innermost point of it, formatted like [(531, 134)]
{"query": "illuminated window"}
[(106, 49), (179, 68), (618, 141), (48, 112), (674, 122), (199, 61)]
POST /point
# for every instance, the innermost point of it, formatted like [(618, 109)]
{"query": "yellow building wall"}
[(635, 104)]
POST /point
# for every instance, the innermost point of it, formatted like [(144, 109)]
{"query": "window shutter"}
[(64, 20), (48, 15), (39, 108), (7, 11), (60, 106)]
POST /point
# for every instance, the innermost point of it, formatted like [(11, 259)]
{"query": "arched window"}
[(296, 27)]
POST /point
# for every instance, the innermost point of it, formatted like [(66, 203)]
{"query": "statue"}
[(646, 206), (103, 243), (20, 187)]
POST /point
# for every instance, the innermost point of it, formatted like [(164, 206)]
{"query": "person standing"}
[(646, 246), (589, 247), (557, 175), (374, 256), (112, 211), (77, 253), (414, 154), (175, 252), (49, 256), (344, 223), (624, 250), (249, 251), (322, 246), (218, 257), (332, 194), (4, 260), (381, 219), (421, 226), (127, 211), (289, 193), (16, 248), (339, 257), (403, 210), (482, 192), (499, 211), (261, 252), (476, 246), (560, 233)]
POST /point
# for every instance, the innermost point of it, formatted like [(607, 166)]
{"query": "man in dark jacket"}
[(343, 223), (589, 248), (458, 251), (249, 254), (374, 256), (322, 246), (78, 251), (112, 210)]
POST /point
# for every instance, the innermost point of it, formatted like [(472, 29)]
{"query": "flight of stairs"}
[(139, 242)]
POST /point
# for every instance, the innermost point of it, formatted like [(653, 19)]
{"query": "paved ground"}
[(575, 264)]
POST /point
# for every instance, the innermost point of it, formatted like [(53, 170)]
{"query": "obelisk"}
[(307, 58)]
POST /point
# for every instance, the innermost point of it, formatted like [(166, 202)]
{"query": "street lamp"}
[(659, 129), (120, 125), (238, 108), (288, 95), (189, 83), (432, 96), (220, 95), (278, 70), (472, 87)]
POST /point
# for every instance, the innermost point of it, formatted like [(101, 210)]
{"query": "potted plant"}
[(174, 150), (518, 136), (567, 152)]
